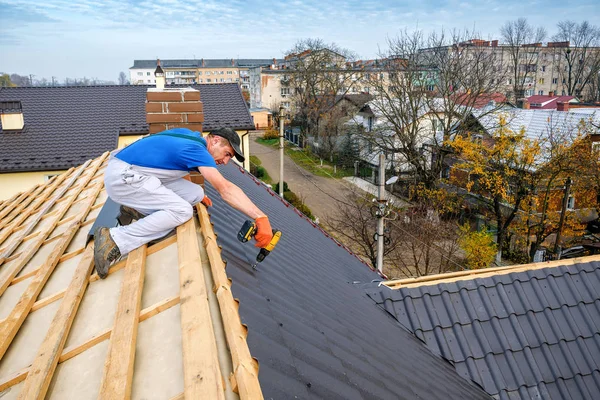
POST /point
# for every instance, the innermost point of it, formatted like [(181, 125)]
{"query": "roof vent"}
[(11, 115)]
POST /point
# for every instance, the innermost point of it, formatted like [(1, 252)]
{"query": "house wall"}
[(262, 119), (13, 183), (146, 77)]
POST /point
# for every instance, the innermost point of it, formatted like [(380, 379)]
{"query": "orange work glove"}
[(206, 201), (264, 233)]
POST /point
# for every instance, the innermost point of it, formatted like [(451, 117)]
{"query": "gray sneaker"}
[(105, 251), (127, 215)]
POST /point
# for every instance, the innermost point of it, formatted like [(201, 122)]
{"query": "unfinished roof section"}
[(153, 328), (85, 121), (521, 332), (166, 314)]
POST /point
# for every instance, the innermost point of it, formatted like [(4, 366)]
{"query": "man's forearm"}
[(236, 198)]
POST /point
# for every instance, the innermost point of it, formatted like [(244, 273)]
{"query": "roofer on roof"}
[(146, 179)]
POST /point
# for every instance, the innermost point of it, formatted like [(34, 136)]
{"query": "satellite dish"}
[(393, 179)]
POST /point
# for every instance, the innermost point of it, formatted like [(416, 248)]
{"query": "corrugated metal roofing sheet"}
[(532, 334), (311, 326)]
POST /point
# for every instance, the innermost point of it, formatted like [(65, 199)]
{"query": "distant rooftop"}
[(205, 63)]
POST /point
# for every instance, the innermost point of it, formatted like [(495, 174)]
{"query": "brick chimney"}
[(173, 108), (562, 106), (494, 43), (551, 93), (232, 63), (526, 104)]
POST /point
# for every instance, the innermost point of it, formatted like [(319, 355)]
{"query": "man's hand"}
[(264, 233), (206, 201)]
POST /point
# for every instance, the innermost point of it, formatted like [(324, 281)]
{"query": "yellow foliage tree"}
[(499, 172), (479, 247)]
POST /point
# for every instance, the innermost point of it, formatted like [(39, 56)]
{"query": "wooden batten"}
[(40, 372), (118, 369), (244, 366), (200, 358)]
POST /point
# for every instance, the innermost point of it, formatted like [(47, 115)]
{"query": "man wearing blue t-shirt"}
[(146, 178)]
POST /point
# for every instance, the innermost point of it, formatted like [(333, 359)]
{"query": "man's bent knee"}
[(182, 212)]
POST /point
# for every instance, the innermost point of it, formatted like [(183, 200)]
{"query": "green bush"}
[(294, 200), (270, 134), (285, 188)]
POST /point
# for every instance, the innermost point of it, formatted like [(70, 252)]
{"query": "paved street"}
[(318, 193)]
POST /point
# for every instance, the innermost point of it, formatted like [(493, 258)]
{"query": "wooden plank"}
[(73, 351), (118, 369), (13, 322), (202, 374), (482, 273), (245, 368), (43, 367), (8, 209), (7, 275), (20, 214), (15, 243)]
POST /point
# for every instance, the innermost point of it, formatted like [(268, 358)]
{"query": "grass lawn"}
[(308, 161)]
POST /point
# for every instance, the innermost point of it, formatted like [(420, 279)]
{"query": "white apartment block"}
[(196, 71)]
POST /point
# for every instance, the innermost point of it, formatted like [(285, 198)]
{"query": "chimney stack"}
[(159, 74), (562, 106), (551, 93), (232, 63), (173, 108), (494, 43)]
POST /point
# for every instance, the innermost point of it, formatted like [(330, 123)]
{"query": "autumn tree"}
[(479, 247), (523, 44), (355, 225), (318, 74), (5, 81), (426, 85), (580, 61), (498, 171)]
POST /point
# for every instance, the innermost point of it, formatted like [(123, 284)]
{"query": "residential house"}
[(189, 317), (549, 102), (194, 71), (521, 332), (64, 126)]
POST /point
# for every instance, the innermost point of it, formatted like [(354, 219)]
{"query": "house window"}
[(285, 91), (199, 72), (541, 81), (370, 124), (140, 73), (554, 81), (222, 79), (222, 72), (540, 92), (596, 147), (543, 67), (446, 173), (208, 80), (229, 72), (286, 104), (571, 203), (147, 73)]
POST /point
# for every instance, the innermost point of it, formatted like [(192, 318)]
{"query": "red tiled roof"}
[(481, 101), (545, 102)]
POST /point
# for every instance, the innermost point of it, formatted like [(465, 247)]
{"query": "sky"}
[(99, 39)]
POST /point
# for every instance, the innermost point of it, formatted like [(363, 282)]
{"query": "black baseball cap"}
[(234, 141)]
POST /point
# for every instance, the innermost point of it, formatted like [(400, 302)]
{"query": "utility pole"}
[(281, 109), (380, 221), (557, 247)]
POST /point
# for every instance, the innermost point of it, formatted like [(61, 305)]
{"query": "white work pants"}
[(162, 195)]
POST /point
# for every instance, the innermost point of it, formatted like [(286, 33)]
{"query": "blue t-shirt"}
[(168, 152)]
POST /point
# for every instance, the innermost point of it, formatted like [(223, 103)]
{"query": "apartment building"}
[(196, 71), (554, 67)]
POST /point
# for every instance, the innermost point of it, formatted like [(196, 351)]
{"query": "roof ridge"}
[(484, 273)]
